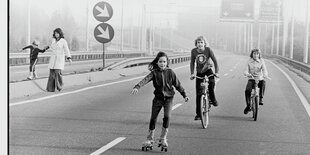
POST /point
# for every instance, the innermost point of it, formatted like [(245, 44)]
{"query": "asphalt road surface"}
[(108, 120)]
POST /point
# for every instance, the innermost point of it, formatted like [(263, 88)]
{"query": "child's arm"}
[(29, 46), (143, 82), (178, 86), (45, 48), (192, 63), (214, 61), (247, 71), (264, 69)]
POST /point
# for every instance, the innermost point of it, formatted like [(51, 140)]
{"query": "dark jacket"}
[(202, 60), (163, 80), (34, 51)]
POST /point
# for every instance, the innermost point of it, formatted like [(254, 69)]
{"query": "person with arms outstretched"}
[(164, 79), (34, 52)]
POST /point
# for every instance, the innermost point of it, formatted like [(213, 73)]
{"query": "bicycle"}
[(205, 102), (254, 99)]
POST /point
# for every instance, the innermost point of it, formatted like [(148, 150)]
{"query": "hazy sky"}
[(78, 6)]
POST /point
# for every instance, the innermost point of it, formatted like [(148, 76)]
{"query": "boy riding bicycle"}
[(202, 54)]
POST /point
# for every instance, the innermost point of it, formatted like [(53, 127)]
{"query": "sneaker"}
[(261, 102), (197, 118), (246, 110), (29, 78)]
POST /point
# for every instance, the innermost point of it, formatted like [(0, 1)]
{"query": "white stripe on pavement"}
[(109, 145), (80, 90), (297, 90), (176, 106)]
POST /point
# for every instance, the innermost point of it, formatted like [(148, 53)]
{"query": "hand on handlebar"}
[(186, 99), (134, 91), (217, 75), (192, 77), (249, 76)]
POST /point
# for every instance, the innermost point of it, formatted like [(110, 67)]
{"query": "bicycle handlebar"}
[(253, 77), (205, 76)]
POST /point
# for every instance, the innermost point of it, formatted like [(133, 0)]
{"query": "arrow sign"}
[(103, 11), (104, 33), (237, 10)]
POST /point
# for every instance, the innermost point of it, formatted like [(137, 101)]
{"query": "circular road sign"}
[(102, 11), (104, 33)]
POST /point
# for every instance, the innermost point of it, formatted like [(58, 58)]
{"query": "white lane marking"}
[(225, 74), (80, 90), (109, 145), (176, 106), (297, 90)]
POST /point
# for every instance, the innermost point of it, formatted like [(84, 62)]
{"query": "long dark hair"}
[(256, 50), (60, 32), (153, 65)]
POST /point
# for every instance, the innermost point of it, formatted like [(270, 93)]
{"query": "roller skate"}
[(30, 76), (163, 140), (163, 144), (148, 144)]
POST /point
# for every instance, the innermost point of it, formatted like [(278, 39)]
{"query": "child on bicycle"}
[(163, 79), (202, 54), (255, 70), (34, 51)]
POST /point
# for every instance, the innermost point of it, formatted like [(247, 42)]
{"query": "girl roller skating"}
[(163, 79)]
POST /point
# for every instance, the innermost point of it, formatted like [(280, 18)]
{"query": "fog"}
[(169, 24)]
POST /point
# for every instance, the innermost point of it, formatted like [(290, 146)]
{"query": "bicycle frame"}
[(205, 105), (254, 99)]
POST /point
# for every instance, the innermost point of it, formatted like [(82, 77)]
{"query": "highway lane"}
[(19, 73), (84, 122)]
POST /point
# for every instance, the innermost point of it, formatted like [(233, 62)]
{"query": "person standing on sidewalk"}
[(60, 52), (34, 52)]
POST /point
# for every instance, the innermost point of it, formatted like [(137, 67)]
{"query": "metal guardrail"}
[(146, 60), (44, 59), (296, 64)]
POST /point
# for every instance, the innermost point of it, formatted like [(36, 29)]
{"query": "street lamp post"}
[(306, 42)]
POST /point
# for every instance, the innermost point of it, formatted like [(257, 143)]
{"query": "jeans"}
[(200, 89), (54, 80), (250, 86), (157, 104)]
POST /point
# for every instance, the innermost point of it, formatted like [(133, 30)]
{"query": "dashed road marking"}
[(108, 146), (176, 106)]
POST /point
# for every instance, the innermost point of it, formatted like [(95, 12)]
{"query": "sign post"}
[(103, 32)]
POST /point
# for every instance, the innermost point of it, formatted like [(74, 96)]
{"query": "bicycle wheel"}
[(204, 112), (255, 111)]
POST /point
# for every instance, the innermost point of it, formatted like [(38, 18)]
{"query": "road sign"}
[(271, 11), (104, 33), (237, 10), (102, 11)]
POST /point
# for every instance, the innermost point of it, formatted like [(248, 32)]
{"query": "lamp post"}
[(306, 40)]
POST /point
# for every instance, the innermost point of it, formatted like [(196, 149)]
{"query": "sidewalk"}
[(32, 87)]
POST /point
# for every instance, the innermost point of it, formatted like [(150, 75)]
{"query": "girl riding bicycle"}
[(163, 79), (255, 69)]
